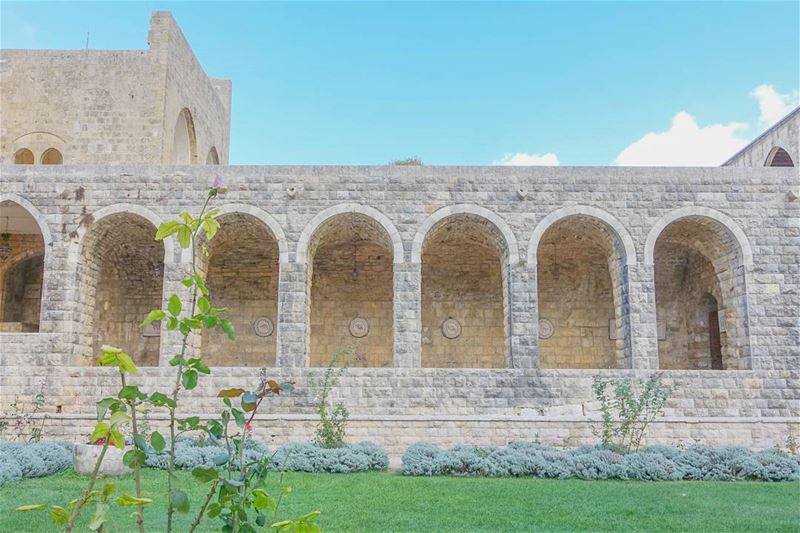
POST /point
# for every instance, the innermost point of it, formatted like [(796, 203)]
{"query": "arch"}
[(271, 222), (121, 277), (37, 215), (743, 244), (23, 156), (184, 140), (51, 156), (693, 251), (242, 270), (103, 212), (622, 235), (511, 247), (213, 157), (778, 157), (330, 212)]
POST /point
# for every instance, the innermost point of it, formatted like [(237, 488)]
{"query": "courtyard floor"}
[(389, 502)]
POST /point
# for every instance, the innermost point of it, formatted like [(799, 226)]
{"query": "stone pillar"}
[(175, 269), (519, 304), (293, 315), (407, 324), (642, 317)]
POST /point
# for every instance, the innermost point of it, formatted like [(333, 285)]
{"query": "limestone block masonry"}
[(741, 219)]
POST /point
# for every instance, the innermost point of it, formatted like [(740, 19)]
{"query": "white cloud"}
[(685, 144), (773, 105), (521, 159)]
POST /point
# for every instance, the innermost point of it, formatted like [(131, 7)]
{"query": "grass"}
[(389, 502)]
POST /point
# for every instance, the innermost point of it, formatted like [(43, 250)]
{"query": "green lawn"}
[(389, 502)]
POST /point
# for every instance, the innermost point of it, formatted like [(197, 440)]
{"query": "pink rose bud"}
[(248, 426), (217, 183)]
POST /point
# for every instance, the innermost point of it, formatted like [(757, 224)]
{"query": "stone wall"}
[(754, 226), (109, 106), (784, 134)]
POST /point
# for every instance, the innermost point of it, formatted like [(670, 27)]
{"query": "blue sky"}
[(469, 83)]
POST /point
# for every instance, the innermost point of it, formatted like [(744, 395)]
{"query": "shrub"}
[(310, 457), (20, 460), (332, 427), (658, 463)]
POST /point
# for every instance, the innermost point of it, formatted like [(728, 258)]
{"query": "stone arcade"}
[(480, 301)]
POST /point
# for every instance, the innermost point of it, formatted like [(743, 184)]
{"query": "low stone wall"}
[(397, 407)]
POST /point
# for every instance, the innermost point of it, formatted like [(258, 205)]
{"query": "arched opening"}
[(51, 156), (21, 269), (212, 158), (778, 157), (121, 279), (184, 142), (699, 280), (242, 275), (581, 292), (350, 270), (23, 156), (464, 309)]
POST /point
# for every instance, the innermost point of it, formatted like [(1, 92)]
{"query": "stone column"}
[(175, 269), (520, 302), (293, 315), (407, 324), (642, 317)]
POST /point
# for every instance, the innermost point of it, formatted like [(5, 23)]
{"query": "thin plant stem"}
[(202, 511), (80, 503), (137, 468)]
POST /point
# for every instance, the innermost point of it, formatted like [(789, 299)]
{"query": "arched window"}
[(581, 295), (464, 262), (700, 296), (778, 157), (21, 269), (23, 156), (184, 141), (121, 275), (242, 275), (51, 156), (350, 271), (212, 158)]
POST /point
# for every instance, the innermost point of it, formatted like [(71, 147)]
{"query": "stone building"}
[(480, 302)]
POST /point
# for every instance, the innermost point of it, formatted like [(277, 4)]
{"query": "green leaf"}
[(59, 515), (172, 323), (230, 393), (126, 363), (175, 361), (166, 229), (120, 417), (184, 236), (157, 441), (127, 500), (129, 392), (35, 507), (263, 500), (129, 458), (191, 421), (210, 322), (180, 501), (226, 326), (261, 519), (174, 305), (140, 442), (238, 416), (159, 399), (234, 483), (198, 365), (118, 439), (155, 314), (100, 431), (213, 510), (204, 304), (210, 226), (189, 379), (249, 401), (204, 475), (103, 406)]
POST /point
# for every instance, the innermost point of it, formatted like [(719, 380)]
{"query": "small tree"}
[(625, 414), (332, 427), (408, 162)]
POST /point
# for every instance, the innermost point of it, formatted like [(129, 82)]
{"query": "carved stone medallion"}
[(451, 328), (359, 327), (153, 329), (546, 328), (263, 326)]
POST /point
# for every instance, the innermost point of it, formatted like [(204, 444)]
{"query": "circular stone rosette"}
[(546, 328), (359, 327), (451, 328), (263, 326)]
